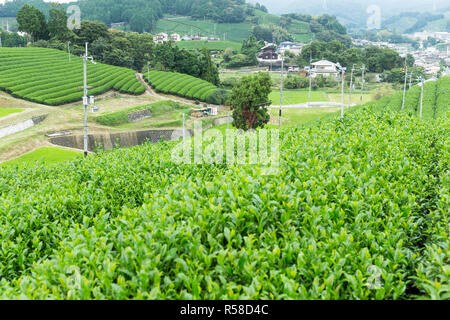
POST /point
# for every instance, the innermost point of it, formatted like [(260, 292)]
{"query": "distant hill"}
[(410, 22), (352, 13), (236, 32), (233, 20)]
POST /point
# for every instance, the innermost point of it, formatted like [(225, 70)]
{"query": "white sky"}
[(60, 1)]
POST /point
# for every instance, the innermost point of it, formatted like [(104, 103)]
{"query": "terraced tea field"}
[(46, 76), (179, 84), (358, 210), (436, 99)]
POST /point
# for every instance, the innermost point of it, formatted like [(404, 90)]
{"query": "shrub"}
[(119, 117), (218, 97)]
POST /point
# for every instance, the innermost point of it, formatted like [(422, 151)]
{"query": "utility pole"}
[(362, 84), (342, 93), (148, 71), (342, 70), (422, 80), (310, 78), (281, 90), (410, 80), (351, 87), (184, 130), (85, 97), (404, 89), (68, 49)]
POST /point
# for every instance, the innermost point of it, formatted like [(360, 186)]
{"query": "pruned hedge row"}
[(436, 97), (46, 76), (181, 85), (443, 96), (358, 210)]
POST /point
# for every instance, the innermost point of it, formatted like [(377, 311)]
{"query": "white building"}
[(325, 68), (175, 37), (161, 37), (444, 36), (295, 48)]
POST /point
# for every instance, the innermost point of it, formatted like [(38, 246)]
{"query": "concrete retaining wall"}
[(221, 121), (122, 139), (139, 115), (21, 126)]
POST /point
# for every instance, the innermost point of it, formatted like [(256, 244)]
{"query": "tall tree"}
[(210, 72), (91, 31), (249, 101), (57, 23), (32, 21)]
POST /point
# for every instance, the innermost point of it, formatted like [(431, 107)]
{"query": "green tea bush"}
[(119, 117), (46, 76), (429, 100), (178, 84), (442, 96), (358, 210)]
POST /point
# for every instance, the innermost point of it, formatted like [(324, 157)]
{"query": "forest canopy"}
[(142, 15)]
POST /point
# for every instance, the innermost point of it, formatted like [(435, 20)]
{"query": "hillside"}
[(141, 15), (132, 224), (47, 76), (228, 19), (235, 32), (181, 85), (353, 13), (435, 102), (411, 22)]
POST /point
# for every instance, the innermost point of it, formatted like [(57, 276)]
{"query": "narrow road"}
[(325, 104)]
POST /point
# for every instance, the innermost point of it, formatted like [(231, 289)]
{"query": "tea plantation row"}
[(46, 76), (436, 99), (182, 85), (359, 210)]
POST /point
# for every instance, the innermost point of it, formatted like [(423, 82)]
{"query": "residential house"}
[(269, 56), (175, 37), (325, 68), (295, 48), (161, 37)]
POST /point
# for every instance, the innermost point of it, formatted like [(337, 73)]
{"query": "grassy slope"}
[(6, 111), (211, 45), (291, 97), (235, 32), (297, 96), (164, 113), (45, 154)]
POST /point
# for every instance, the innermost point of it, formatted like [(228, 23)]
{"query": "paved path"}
[(325, 104)]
